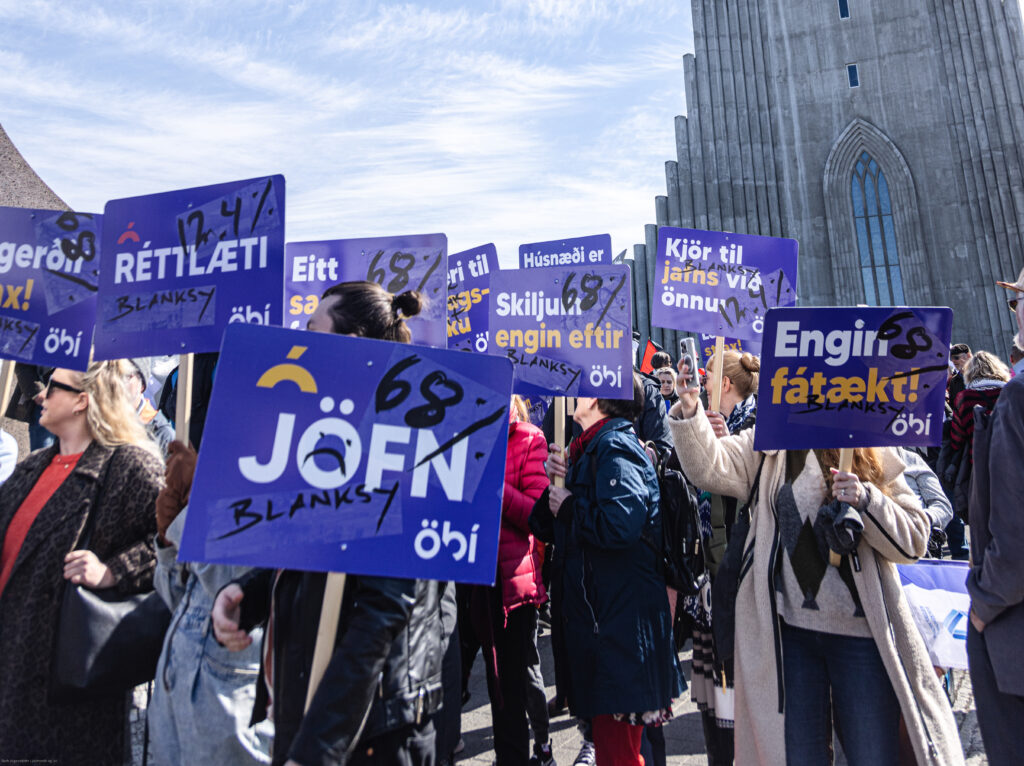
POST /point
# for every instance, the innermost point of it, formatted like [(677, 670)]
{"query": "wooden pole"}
[(559, 405), (845, 464), (846, 459), (6, 382), (183, 408), (327, 634), (716, 375)]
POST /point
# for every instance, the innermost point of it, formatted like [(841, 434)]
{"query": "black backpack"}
[(679, 553)]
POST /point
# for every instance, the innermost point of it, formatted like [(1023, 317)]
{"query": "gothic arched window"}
[(876, 234)]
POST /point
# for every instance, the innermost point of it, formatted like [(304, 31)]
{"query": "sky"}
[(508, 121)]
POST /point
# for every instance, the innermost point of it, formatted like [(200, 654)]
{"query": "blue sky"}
[(507, 121)]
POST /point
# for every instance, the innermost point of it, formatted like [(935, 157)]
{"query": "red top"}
[(51, 478)]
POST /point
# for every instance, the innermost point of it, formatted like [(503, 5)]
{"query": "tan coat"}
[(896, 532)]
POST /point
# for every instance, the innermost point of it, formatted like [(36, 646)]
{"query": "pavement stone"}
[(684, 736)]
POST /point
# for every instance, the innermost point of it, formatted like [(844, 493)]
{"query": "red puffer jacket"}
[(519, 557)]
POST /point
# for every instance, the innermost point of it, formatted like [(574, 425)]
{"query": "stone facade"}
[(776, 135)]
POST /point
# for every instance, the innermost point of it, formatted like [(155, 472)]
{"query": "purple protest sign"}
[(720, 283), (568, 331), (411, 262), (182, 265), (394, 469), (575, 251), (49, 269), (469, 280), (852, 377), (707, 346)]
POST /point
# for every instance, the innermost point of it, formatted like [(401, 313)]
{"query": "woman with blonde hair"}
[(712, 680), (105, 472), (808, 631)]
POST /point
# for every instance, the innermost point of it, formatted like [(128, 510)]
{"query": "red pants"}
[(616, 743)]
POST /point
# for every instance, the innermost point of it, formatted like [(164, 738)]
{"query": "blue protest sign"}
[(852, 377), (707, 346), (412, 262), (395, 468), (181, 265), (568, 331), (575, 251), (719, 283), (49, 270), (469, 280)]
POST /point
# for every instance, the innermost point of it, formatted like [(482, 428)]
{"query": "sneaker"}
[(586, 756), (542, 756)]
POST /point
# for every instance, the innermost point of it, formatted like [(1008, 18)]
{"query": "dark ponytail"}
[(368, 310)]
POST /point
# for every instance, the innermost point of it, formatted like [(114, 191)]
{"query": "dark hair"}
[(629, 409), (959, 349), (368, 310), (661, 359)]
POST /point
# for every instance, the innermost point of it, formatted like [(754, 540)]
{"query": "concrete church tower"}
[(887, 137), (19, 184)]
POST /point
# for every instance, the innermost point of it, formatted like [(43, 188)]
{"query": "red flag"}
[(650, 351)]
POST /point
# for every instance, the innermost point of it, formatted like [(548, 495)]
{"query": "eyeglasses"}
[(1012, 303), (54, 384)]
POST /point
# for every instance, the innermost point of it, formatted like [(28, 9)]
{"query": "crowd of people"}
[(819, 645)]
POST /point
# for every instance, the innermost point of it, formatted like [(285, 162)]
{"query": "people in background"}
[(103, 472)]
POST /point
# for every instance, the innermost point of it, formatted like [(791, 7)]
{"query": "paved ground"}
[(684, 738)]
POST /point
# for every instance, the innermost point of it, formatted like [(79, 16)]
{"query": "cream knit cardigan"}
[(894, 526)]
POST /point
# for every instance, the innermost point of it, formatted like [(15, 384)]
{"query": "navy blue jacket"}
[(614, 605)]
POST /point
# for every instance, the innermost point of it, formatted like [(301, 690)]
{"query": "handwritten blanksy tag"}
[(410, 262), (330, 453), (182, 265), (852, 377), (49, 271), (567, 330)]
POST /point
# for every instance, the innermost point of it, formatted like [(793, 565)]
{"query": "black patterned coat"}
[(30, 728)]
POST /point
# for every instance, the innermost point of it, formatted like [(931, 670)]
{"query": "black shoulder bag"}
[(106, 643), (727, 581)]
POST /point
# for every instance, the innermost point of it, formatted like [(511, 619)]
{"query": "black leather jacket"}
[(385, 673)]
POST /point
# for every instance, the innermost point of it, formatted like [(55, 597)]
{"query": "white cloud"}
[(506, 121)]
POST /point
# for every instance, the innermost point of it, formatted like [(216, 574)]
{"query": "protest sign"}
[(707, 346), (395, 468), (181, 265), (567, 330), (575, 251), (49, 270), (469, 280), (937, 595), (721, 283), (834, 378), (412, 262)]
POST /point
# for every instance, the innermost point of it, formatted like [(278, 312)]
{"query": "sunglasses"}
[(1012, 302), (54, 384)]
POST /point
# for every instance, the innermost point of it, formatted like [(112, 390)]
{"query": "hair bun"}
[(409, 303), (750, 362)]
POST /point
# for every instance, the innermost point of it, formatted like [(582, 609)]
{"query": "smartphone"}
[(689, 354)]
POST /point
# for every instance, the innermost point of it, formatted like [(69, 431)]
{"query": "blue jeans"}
[(864, 704)]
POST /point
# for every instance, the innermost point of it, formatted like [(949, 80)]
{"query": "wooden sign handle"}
[(845, 464), (327, 633), (846, 459), (559, 405), (183, 407), (716, 374), (6, 382)]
